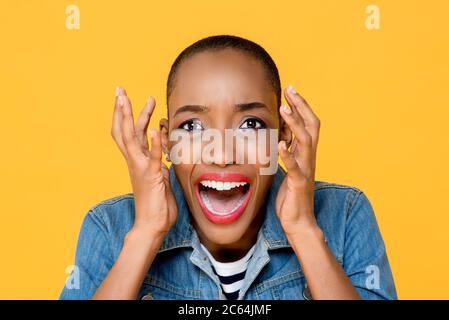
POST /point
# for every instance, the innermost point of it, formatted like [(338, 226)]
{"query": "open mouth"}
[(223, 196)]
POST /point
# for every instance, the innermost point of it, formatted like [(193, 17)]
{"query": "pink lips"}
[(224, 177)]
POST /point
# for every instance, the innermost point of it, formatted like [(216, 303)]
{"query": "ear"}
[(284, 132), (163, 127)]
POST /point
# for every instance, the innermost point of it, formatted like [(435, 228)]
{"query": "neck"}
[(233, 251)]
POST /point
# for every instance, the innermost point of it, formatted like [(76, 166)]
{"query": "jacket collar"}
[(182, 234)]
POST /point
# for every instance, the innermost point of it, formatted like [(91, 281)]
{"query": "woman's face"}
[(224, 89)]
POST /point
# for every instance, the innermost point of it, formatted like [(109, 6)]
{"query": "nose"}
[(223, 151), (220, 161)]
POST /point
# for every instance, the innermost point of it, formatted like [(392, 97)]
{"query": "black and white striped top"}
[(231, 274)]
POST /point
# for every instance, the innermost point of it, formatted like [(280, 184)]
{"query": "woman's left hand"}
[(325, 277), (295, 199)]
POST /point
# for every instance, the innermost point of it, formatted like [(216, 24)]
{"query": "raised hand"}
[(155, 204), (295, 200)]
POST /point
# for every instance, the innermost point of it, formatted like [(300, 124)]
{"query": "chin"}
[(224, 237), (224, 234)]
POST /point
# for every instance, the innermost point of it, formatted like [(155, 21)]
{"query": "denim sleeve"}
[(365, 257), (93, 260)]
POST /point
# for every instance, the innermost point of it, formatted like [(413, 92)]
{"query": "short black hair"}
[(220, 42)]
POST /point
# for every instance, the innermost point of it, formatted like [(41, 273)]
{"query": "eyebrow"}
[(191, 108), (240, 107)]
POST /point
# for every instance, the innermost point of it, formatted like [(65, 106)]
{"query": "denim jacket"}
[(181, 269)]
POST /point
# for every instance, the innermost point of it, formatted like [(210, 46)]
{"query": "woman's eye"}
[(252, 123), (191, 125)]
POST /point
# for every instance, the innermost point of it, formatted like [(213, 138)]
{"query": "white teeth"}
[(220, 185)]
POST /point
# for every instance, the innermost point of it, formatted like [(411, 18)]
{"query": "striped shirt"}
[(230, 274)]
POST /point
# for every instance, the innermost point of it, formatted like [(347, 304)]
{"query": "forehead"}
[(226, 76)]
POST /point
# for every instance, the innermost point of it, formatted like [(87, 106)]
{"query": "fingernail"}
[(120, 101), (152, 133), (291, 89), (286, 110), (118, 91), (283, 145)]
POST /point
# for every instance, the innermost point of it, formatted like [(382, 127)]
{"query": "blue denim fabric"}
[(181, 269)]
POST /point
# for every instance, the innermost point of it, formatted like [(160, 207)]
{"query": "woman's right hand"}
[(155, 205)]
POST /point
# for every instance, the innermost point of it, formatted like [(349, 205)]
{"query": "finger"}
[(294, 147), (311, 121), (296, 125), (302, 142), (116, 130), (165, 174), (130, 141), (156, 150), (143, 122), (291, 165)]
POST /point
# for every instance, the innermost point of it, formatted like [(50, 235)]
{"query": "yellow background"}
[(382, 96)]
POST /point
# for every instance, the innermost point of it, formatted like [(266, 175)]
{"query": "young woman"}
[(219, 229)]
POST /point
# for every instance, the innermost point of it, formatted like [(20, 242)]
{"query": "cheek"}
[(261, 151), (183, 175), (263, 184)]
